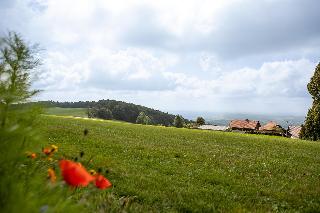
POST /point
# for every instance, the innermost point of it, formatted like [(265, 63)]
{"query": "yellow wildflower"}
[(54, 148), (92, 172), (52, 175)]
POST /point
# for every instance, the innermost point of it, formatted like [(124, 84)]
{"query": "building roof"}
[(270, 126), (213, 127), (244, 124), (294, 131)]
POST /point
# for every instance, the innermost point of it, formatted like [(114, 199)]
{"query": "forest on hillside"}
[(118, 110)]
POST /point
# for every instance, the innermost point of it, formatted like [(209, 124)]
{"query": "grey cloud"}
[(268, 26), (38, 6), (246, 28), (143, 29), (7, 4)]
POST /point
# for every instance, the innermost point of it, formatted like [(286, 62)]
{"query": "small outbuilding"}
[(272, 128)]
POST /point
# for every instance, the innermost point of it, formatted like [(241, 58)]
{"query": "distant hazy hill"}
[(283, 120), (225, 118)]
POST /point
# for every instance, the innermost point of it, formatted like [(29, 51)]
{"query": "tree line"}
[(119, 110)]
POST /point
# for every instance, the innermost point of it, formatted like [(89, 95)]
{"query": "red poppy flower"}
[(102, 182), (46, 151), (74, 173), (50, 150), (31, 155)]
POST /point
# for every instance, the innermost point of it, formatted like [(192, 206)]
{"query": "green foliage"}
[(311, 127), (191, 125), (143, 119), (314, 84), (101, 112), (17, 62), (164, 169), (200, 121), (120, 110), (76, 112), (178, 121), (23, 182)]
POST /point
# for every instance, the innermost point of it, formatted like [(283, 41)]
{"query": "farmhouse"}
[(244, 125), (213, 127), (294, 131), (272, 128)]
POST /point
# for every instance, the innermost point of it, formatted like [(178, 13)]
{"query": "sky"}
[(223, 56)]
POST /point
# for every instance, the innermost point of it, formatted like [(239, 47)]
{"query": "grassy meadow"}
[(76, 112), (165, 169)]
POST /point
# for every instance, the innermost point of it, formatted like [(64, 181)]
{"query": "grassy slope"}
[(77, 112), (170, 169)]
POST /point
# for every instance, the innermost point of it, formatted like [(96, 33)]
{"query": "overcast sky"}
[(240, 56)]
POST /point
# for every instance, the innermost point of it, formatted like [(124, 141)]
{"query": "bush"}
[(200, 121), (143, 119), (178, 121)]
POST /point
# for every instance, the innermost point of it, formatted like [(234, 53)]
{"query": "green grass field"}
[(76, 112), (165, 169)]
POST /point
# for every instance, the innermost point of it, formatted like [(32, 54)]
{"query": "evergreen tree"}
[(311, 127), (17, 61), (20, 185), (314, 84), (178, 121)]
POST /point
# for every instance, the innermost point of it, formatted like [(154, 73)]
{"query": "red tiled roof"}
[(294, 131), (244, 124), (270, 126)]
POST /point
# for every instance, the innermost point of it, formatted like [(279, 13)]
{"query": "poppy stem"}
[(89, 160)]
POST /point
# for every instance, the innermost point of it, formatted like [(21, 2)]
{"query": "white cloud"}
[(131, 68), (272, 79), (270, 88), (188, 54)]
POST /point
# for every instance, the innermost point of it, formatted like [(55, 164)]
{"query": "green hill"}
[(76, 112), (117, 110), (167, 169)]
